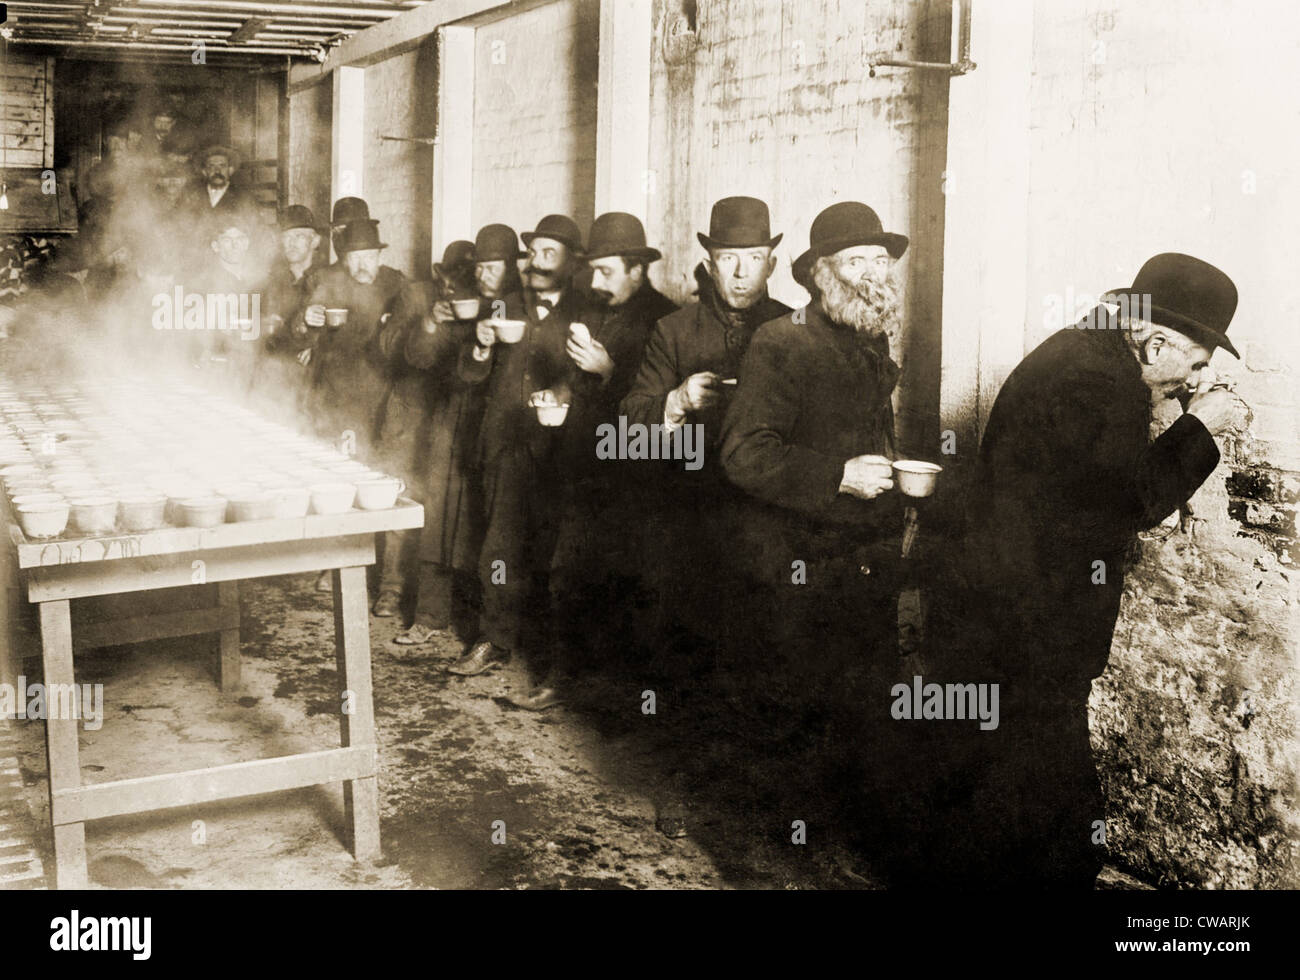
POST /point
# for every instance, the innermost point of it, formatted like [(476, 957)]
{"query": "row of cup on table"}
[(45, 509)]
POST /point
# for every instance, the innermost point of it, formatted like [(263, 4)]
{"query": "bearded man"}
[(808, 437)]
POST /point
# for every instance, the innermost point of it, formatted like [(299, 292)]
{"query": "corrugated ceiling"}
[(229, 31)]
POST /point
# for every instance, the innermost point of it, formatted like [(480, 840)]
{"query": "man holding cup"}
[(351, 376), (595, 567), (519, 355), (809, 436), (1067, 476)]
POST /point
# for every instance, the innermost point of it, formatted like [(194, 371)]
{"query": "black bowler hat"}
[(298, 216), (496, 243), (558, 227), (840, 226), (1186, 294), (349, 209), (739, 222), (459, 252), (357, 236), (619, 233)]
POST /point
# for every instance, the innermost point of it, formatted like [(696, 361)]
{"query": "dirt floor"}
[(576, 787), (575, 790)]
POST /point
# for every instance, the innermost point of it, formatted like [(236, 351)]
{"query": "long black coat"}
[(1066, 477), (453, 520)]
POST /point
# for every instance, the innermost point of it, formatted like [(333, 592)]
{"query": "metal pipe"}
[(959, 67)]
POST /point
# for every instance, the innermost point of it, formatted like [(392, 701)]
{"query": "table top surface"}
[(72, 549)]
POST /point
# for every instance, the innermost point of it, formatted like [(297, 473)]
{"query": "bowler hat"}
[(619, 233), (495, 243), (459, 252), (357, 236), (841, 226), (739, 222), (229, 153), (1186, 294), (298, 216), (347, 209), (558, 227)]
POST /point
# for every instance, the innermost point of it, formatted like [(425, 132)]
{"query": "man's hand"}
[(1215, 408), (304, 357), (484, 334), (867, 477), (314, 315), (441, 313), (697, 392), (592, 357)]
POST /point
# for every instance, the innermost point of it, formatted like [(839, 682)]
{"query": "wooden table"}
[(56, 572)]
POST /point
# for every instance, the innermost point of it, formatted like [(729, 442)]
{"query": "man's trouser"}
[(517, 545)]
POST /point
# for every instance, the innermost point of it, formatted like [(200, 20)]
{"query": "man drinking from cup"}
[(483, 271), (519, 355), (351, 377), (1067, 476)]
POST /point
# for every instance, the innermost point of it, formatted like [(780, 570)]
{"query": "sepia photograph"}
[(650, 445)]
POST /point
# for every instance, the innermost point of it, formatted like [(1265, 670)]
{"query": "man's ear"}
[(1152, 346), (771, 263)]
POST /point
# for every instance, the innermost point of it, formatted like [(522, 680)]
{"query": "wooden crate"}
[(27, 110)]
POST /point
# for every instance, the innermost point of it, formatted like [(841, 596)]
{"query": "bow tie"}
[(545, 304)]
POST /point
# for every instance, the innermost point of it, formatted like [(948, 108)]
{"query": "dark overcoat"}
[(1067, 475)]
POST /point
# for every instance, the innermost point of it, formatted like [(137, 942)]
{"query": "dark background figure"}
[(278, 383), (1066, 477)]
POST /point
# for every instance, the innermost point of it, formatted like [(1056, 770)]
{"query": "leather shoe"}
[(388, 605), (538, 699), (484, 656)]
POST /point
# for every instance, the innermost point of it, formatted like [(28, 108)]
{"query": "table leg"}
[(11, 657), (62, 753), (228, 598), (357, 720)]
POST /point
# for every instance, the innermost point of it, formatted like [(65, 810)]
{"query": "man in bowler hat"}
[(1067, 475)]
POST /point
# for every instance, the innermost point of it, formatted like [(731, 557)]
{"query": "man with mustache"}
[(1067, 476), (351, 377), (487, 270), (595, 568), (515, 452), (215, 193), (808, 437)]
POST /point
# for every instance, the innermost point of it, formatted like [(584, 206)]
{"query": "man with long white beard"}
[(809, 436)]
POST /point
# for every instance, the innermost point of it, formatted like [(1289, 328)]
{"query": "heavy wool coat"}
[(696, 338), (812, 395), (351, 375), (453, 502), (1066, 477)]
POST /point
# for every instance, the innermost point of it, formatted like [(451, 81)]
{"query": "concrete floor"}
[(575, 786)]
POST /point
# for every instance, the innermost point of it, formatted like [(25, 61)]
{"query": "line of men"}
[(782, 549), (565, 555)]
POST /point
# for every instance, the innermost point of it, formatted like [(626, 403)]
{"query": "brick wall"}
[(773, 99), (535, 115), (1145, 138), (398, 180)]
